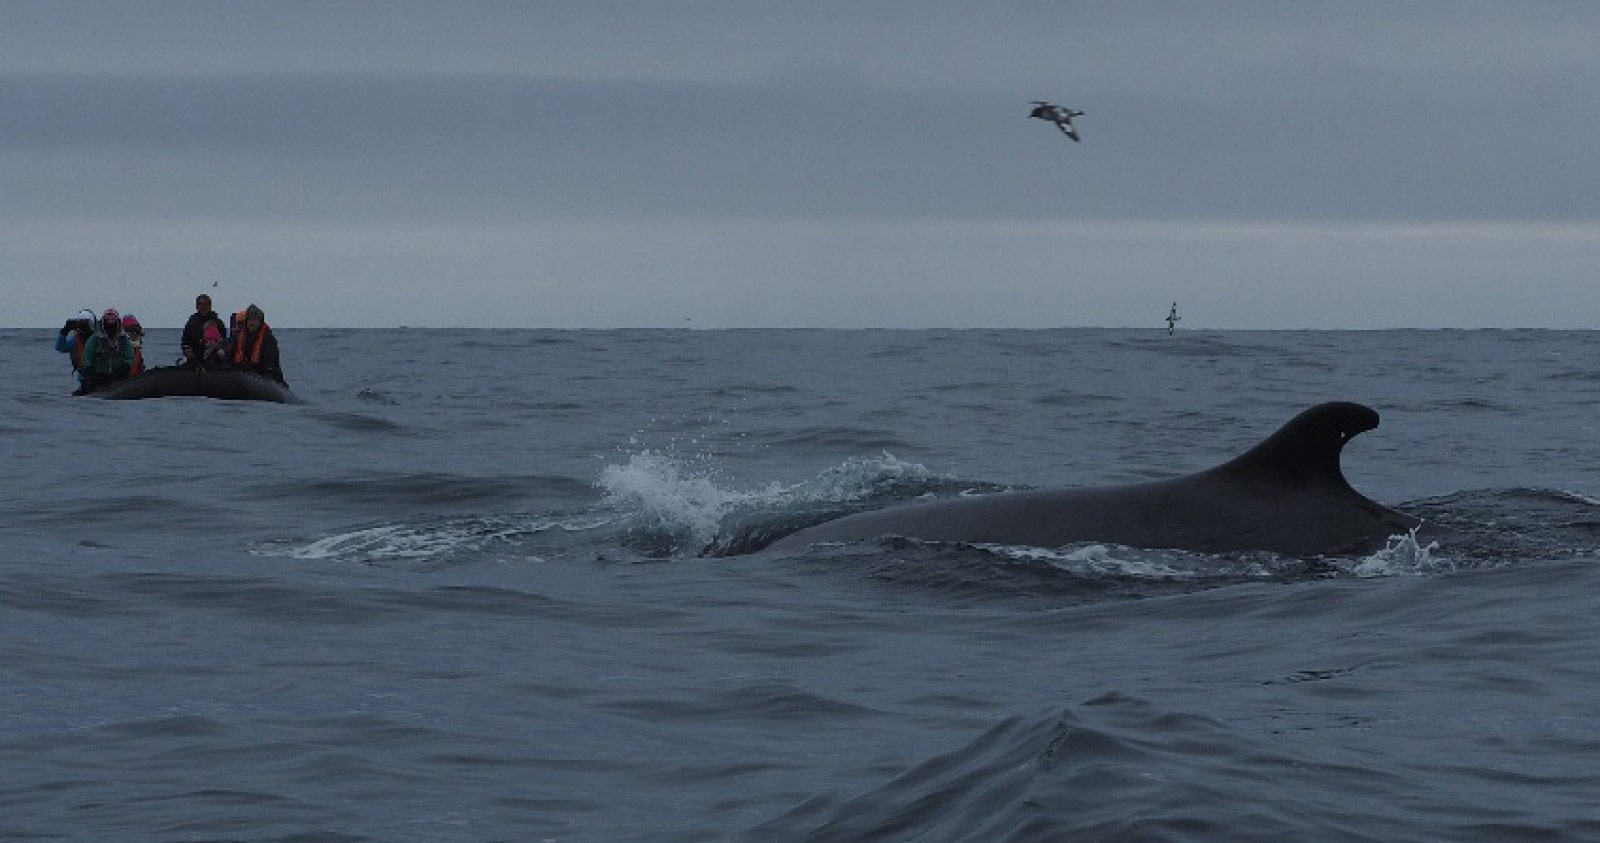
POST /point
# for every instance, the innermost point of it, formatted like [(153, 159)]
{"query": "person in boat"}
[(213, 345), (108, 356), (73, 337), (194, 331), (135, 332), (255, 349)]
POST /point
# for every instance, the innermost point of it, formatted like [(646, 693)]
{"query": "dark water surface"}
[(462, 594)]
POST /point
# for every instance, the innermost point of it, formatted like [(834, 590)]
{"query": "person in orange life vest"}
[(73, 337), (108, 356), (254, 346), (135, 332)]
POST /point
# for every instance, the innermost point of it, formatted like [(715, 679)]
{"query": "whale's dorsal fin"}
[(1306, 449)]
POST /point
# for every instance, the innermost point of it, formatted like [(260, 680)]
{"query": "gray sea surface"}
[(478, 588)]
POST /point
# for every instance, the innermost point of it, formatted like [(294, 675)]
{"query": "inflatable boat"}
[(171, 381)]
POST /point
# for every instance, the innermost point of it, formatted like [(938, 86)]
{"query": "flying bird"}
[(1058, 115)]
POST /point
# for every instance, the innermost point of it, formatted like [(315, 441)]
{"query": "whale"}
[(1287, 495)]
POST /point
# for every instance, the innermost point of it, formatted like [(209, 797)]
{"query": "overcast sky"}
[(785, 164)]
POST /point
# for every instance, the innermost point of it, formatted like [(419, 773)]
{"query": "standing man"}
[(194, 331)]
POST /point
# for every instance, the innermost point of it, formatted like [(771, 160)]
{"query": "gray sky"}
[(831, 164)]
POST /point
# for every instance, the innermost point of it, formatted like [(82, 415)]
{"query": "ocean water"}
[(489, 586)]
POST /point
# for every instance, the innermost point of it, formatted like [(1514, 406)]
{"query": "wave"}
[(1122, 767), (1114, 767), (361, 423), (429, 544), (1045, 578), (1494, 527)]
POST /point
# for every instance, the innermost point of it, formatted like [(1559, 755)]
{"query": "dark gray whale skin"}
[(1286, 495)]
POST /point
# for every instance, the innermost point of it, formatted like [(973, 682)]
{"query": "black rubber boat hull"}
[(174, 381)]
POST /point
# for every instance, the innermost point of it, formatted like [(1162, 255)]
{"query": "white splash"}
[(678, 496), (856, 478), (688, 496), (1403, 555), (413, 542)]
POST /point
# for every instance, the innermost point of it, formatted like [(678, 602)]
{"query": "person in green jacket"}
[(108, 356)]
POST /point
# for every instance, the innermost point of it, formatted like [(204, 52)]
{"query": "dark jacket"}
[(194, 332), (257, 351)]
